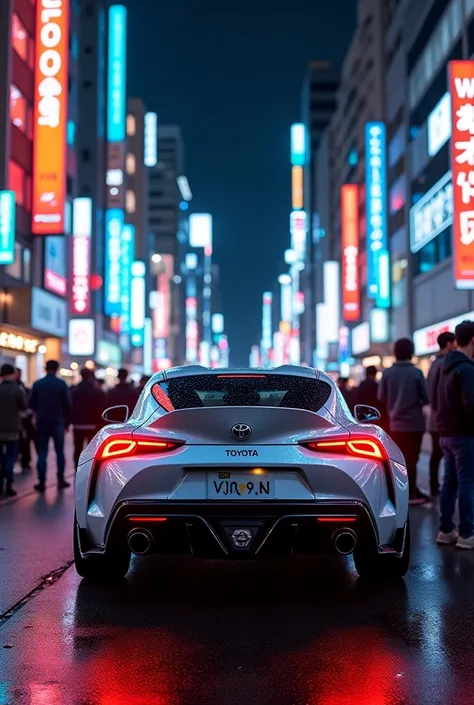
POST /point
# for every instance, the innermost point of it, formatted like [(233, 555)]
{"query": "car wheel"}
[(107, 567), (384, 567)]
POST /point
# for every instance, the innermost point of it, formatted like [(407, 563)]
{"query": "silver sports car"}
[(241, 464)]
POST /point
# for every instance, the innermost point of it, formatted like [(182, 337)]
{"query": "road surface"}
[(185, 632)]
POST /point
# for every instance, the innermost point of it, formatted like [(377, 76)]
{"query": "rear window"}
[(205, 391)]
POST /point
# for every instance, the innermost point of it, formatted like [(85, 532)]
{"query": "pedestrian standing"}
[(12, 402), (28, 434), (88, 405), (123, 394), (346, 391), (446, 342), (453, 403), (50, 401), (367, 394), (403, 391)]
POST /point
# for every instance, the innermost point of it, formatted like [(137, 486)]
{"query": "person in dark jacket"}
[(367, 393), (50, 401), (28, 433), (453, 404), (123, 394), (13, 402), (446, 342), (404, 393), (88, 404), (346, 391)]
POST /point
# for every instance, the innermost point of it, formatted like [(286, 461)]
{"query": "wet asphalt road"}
[(300, 632)]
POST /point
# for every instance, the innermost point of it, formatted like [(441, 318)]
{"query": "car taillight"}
[(361, 447), (125, 447)]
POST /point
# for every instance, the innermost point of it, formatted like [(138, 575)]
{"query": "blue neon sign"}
[(298, 144), (382, 264), (116, 86), (113, 254), (127, 257), (7, 227), (376, 200)]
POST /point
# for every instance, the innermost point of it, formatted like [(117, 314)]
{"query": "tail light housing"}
[(358, 446), (125, 447)]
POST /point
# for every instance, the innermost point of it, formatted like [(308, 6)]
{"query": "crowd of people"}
[(47, 412), (402, 398)]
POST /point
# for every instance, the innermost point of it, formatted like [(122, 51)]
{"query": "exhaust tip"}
[(345, 541), (139, 541)]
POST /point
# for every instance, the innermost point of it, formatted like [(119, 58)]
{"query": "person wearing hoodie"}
[(446, 342), (404, 393), (453, 404)]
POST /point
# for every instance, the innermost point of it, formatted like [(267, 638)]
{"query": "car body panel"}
[(300, 476)]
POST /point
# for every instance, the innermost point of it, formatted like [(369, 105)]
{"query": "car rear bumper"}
[(242, 530)]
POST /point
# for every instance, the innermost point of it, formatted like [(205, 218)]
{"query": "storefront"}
[(370, 346), (49, 318), (426, 339), (21, 350)]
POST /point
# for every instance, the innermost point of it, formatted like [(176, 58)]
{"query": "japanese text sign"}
[(350, 252), (461, 85)]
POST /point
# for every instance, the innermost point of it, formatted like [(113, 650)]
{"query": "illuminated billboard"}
[(461, 84), (217, 323), (81, 339), (80, 281), (126, 259), (82, 217), (113, 249), (376, 200), (137, 296), (432, 214), (7, 227), (439, 125), (200, 230), (116, 85), (297, 188), (298, 233), (267, 320), (332, 296), (50, 117), (151, 139), (298, 144), (350, 252), (55, 274), (162, 312)]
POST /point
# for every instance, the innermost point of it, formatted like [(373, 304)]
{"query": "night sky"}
[(231, 74)]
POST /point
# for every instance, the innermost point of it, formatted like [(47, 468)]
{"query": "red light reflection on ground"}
[(349, 667)]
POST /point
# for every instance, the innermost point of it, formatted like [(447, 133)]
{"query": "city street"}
[(179, 631)]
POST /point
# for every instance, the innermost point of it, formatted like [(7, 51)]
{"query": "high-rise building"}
[(318, 105), (355, 233), (169, 195), (38, 176)]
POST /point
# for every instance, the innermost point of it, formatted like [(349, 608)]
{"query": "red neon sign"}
[(50, 117), (461, 86), (350, 252)]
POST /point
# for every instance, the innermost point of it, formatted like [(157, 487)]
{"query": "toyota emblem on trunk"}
[(241, 431)]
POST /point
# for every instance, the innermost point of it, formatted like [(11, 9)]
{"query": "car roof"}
[(192, 370)]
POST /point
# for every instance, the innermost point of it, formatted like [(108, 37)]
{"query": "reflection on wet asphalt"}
[(300, 632)]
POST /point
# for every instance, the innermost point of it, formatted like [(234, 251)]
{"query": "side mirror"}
[(366, 414), (116, 414)]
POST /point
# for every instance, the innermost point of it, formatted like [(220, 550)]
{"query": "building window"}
[(18, 109), (16, 181), (26, 265), (71, 133), (130, 201), (20, 39), (14, 269), (130, 163), (131, 125), (434, 252)]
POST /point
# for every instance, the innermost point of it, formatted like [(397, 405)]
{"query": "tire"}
[(384, 567), (108, 567)]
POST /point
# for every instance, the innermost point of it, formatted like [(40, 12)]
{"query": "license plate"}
[(239, 485)]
